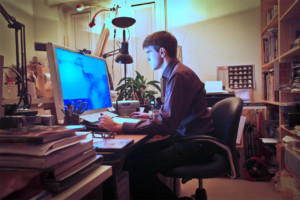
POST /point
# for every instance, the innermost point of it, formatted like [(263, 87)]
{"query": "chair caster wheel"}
[(200, 194)]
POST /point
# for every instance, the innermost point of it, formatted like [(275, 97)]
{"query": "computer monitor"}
[(76, 76)]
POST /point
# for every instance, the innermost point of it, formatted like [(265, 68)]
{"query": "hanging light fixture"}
[(124, 22)]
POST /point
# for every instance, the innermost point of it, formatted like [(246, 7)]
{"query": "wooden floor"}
[(233, 189)]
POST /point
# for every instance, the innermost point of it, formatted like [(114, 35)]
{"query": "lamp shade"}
[(123, 22), (124, 57)]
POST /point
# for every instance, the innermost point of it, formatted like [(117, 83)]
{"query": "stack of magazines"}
[(51, 157)]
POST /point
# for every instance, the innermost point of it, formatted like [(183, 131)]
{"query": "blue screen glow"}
[(83, 78)]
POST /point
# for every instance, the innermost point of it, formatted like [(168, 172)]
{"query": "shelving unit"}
[(286, 19)]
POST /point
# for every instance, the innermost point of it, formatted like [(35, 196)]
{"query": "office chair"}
[(226, 116)]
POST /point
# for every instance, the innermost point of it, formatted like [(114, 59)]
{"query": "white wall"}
[(217, 33), (23, 13), (212, 32), (42, 24)]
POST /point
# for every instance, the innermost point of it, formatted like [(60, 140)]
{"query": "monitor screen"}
[(213, 86), (244, 94), (77, 76)]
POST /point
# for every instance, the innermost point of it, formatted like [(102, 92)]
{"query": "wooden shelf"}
[(288, 130), (269, 65), (292, 12), (287, 20), (271, 102), (291, 53), (272, 24), (289, 92)]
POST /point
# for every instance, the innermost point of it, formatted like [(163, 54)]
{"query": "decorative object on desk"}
[(43, 82), (105, 145), (38, 75), (137, 89)]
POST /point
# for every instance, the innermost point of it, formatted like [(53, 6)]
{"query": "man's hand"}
[(108, 124), (139, 115)]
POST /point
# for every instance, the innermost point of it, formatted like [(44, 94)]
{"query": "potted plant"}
[(137, 89)]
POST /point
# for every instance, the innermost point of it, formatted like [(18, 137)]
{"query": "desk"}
[(86, 185), (118, 155), (117, 187)]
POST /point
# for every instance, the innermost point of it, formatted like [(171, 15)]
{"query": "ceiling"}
[(73, 3)]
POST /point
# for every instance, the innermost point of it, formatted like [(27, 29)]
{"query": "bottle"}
[(152, 109)]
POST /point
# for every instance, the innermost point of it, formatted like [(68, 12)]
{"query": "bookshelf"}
[(280, 27)]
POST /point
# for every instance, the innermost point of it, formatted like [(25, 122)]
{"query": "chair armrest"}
[(214, 141)]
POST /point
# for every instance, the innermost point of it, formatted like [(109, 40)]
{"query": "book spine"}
[(21, 140)]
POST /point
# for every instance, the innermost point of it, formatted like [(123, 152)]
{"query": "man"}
[(183, 114)]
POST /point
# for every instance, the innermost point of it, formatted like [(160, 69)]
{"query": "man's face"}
[(154, 58)]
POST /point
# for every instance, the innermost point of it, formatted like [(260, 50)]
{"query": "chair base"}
[(200, 194)]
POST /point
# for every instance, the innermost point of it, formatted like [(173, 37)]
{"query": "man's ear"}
[(162, 52)]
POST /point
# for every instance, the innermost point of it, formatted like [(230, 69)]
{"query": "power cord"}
[(10, 109)]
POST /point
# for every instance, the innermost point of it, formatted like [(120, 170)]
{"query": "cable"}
[(113, 60), (128, 34), (22, 94)]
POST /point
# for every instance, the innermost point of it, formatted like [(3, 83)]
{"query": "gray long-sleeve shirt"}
[(185, 109)]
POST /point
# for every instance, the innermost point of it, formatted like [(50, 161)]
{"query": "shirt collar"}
[(168, 70)]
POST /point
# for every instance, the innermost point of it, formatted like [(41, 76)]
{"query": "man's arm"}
[(108, 124)]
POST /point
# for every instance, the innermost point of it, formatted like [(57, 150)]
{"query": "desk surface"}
[(115, 156), (87, 184)]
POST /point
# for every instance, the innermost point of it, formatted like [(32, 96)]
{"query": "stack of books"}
[(57, 156)]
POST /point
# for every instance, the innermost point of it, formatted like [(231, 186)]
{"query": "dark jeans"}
[(159, 156)]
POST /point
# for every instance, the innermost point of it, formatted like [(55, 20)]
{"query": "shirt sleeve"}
[(178, 99)]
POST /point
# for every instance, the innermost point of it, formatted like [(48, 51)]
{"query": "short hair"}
[(162, 39)]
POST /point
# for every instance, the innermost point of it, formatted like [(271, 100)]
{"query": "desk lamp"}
[(124, 57), (120, 22), (22, 79)]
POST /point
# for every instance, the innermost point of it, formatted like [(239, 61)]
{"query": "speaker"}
[(125, 108)]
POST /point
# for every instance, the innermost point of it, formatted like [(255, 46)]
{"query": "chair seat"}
[(215, 168)]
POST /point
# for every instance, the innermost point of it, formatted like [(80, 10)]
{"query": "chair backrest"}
[(226, 116)]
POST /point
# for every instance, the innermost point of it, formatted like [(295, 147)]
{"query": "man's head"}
[(162, 39), (160, 46)]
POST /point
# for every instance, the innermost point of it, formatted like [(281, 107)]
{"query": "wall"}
[(217, 33), (212, 33), (23, 13), (42, 24)]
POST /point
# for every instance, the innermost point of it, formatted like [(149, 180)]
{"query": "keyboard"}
[(93, 117)]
